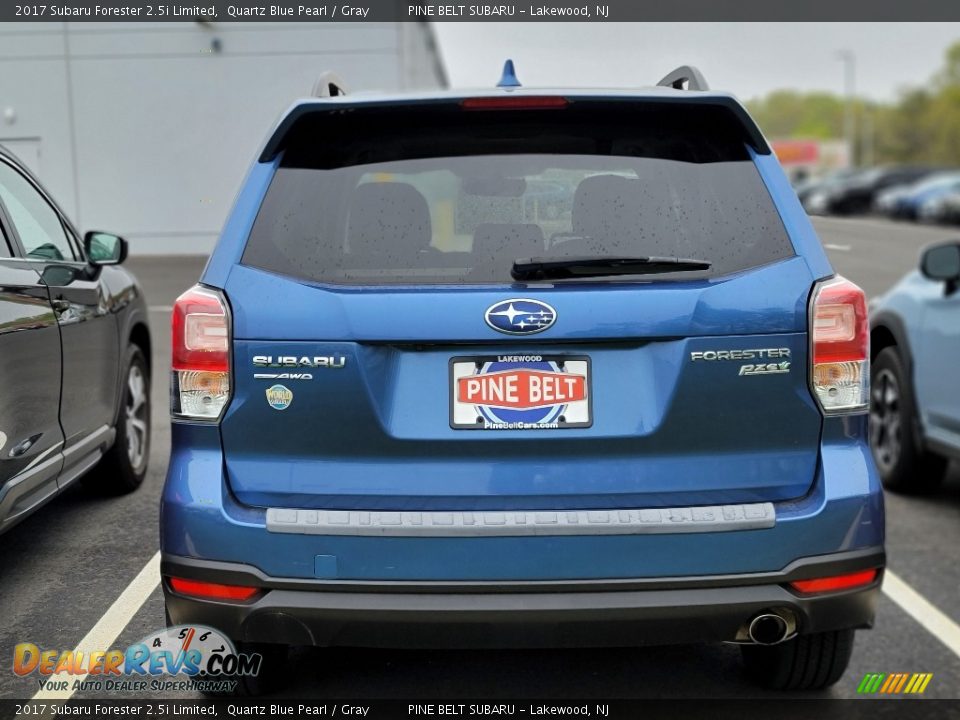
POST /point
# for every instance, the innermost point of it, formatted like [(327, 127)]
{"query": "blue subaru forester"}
[(523, 368)]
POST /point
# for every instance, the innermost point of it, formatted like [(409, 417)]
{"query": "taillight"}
[(836, 582), (212, 591), (840, 344), (201, 355)]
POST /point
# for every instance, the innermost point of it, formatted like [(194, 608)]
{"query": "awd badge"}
[(279, 397)]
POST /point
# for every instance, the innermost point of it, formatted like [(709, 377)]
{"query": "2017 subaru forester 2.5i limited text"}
[(524, 368)]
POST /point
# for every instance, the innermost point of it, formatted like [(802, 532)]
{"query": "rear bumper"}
[(202, 519), (519, 614)]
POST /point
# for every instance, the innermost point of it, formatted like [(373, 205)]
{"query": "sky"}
[(747, 59)]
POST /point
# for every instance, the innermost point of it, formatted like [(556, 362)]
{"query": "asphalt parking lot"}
[(62, 568)]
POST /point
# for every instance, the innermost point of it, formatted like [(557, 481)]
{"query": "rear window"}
[(457, 197)]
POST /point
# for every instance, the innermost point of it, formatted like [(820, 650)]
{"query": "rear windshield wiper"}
[(593, 266)]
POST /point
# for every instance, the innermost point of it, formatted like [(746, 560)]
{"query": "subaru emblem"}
[(520, 316)]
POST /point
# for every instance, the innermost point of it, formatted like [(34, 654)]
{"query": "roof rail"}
[(329, 85), (684, 75)]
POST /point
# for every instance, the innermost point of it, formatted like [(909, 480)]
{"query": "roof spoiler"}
[(329, 84), (685, 77), (277, 140)]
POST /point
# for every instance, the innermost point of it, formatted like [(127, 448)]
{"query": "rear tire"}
[(904, 464), (123, 467), (808, 662)]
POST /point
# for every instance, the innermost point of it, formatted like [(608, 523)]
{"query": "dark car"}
[(811, 185), (857, 194), (74, 354)]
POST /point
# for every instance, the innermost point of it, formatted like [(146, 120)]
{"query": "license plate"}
[(520, 392)]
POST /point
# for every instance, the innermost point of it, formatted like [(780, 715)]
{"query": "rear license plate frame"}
[(576, 365)]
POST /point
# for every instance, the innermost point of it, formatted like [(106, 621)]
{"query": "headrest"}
[(601, 202), (388, 217)]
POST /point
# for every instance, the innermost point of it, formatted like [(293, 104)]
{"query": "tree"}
[(922, 126)]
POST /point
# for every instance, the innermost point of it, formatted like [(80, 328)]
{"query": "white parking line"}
[(161, 308), (114, 620), (920, 609), (841, 248)]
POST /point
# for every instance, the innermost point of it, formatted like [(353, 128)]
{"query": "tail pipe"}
[(769, 627)]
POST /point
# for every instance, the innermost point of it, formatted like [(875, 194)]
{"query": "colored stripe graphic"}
[(870, 680), (889, 682), (894, 683)]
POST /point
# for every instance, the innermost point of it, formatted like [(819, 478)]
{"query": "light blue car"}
[(915, 344)]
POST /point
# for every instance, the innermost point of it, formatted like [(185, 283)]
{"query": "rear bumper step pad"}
[(711, 518)]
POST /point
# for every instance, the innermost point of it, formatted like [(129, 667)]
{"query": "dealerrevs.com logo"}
[(204, 657)]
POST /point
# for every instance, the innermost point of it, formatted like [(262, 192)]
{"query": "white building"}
[(147, 129)]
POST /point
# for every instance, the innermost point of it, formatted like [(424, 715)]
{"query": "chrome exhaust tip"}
[(768, 629)]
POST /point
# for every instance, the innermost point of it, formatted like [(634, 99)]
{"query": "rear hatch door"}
[(384, 357)]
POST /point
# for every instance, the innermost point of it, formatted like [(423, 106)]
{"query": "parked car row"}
[(920, 200), (856, 192), (925, 194)]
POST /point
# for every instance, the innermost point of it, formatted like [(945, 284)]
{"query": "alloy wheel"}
[(138, 428), (886, 420)]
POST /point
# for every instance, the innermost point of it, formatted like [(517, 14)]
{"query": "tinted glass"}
[(104, 248), (37, 223), (942, 263), (461, 202)]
